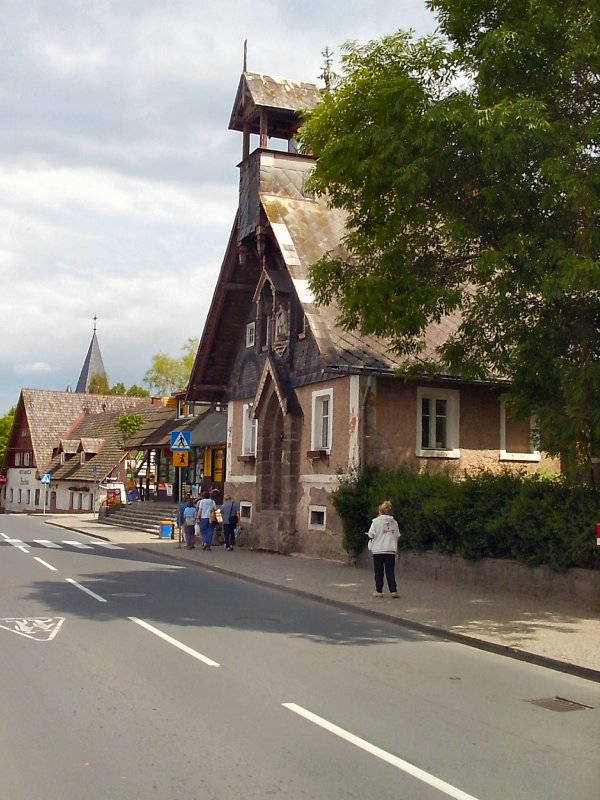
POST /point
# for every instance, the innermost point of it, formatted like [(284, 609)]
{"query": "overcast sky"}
[(118, 176)]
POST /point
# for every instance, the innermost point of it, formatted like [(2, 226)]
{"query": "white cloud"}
[(118, 178), (37, 368)]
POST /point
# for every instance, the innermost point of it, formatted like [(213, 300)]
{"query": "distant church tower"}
[(92, 365)]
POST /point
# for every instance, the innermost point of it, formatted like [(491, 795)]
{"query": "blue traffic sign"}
[(181, 440), (46, 478)]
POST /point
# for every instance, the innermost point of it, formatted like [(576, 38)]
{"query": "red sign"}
[(3, 480)]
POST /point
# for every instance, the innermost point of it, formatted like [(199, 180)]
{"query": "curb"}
[(439, 633)]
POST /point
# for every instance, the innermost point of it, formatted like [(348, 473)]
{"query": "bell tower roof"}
[(270, 107)]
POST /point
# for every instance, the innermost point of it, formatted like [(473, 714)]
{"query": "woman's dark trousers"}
[(384, 562)]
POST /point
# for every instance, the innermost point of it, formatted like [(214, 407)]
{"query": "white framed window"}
[(317, 518), (322, 420), (82, 457), (62, 458), (523, 430), (245, 511), (17, 459), (26, 459), (249, 431), (251, 334), (438, 417)]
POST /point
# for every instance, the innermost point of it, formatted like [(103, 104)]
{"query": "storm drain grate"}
[(558, 704)]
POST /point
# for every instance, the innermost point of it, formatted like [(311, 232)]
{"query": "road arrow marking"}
[(42, 629)]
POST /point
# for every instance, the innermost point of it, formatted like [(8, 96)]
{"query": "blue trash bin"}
[(167, 529)]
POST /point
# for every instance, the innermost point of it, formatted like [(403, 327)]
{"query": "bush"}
[(535, 520)]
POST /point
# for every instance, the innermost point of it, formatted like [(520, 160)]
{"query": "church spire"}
[(93, 364)]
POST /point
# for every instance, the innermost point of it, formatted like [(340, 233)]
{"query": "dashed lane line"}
[(87, 591), (194, 653), (45, 564)]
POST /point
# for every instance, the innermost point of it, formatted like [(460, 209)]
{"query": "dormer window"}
[(82, 457), (63, 458)]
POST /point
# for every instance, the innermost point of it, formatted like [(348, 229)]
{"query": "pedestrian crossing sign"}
[(181, 459), (181, 440), (46, 478)]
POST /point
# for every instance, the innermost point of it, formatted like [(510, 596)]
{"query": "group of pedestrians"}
[(383, 534), (203, 513)]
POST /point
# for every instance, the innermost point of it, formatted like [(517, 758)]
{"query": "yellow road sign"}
[(181, 459)]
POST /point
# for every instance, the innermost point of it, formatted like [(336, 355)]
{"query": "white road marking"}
[(399, 763), (87, 591), (42, 630), (175, 643), (18, 543), (108, 545), (47, 543), (45, 564), (80, 545)]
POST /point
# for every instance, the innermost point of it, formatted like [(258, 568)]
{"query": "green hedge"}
[(532, 519)]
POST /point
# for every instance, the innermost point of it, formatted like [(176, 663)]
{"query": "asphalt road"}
[(125, 677)]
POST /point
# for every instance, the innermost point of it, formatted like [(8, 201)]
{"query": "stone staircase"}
[(141, 516)]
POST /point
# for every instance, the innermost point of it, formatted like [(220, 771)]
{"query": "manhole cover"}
[(558, 704)]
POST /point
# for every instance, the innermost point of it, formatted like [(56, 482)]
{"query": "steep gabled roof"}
[(101, 428), (276, 372), (50, 415), (93, 365), (304, 228), (226, 316)]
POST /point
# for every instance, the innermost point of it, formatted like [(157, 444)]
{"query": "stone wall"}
[(499, 575)]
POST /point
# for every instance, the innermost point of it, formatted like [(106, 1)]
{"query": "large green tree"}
[(468, 165), (168, 374)]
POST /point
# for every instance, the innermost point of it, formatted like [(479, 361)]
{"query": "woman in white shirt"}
[(205, 508), (383, 544)]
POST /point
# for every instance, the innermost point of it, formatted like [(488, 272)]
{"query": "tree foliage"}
[(168, 374), (99, 384), (469, 170), (6, 423), (129, 424)]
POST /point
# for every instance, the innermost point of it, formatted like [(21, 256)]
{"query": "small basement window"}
[(317, 518), (245, 510)]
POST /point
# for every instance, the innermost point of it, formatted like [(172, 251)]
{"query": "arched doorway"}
[(270, 455)]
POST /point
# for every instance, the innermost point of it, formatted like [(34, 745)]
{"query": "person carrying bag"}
[(231, 515)]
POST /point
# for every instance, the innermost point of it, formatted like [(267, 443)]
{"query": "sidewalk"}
[(560, 634)]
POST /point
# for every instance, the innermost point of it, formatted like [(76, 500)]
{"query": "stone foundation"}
[(577, 585)]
